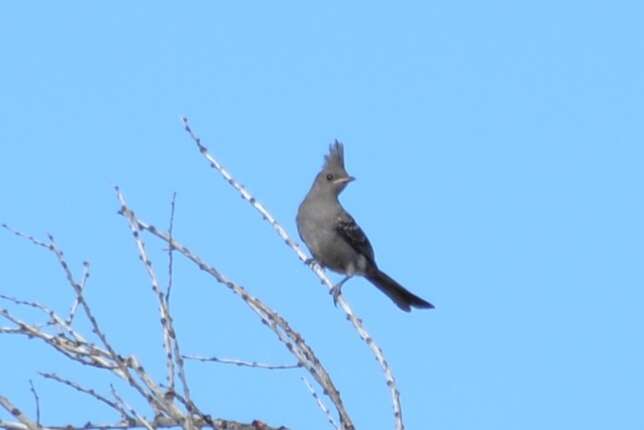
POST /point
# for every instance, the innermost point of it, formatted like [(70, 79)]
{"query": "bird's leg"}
[(337, 289)]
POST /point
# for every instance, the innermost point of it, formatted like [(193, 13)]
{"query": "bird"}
[(336, 241)]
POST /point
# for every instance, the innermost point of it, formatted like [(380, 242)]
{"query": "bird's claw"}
[(335, 291)]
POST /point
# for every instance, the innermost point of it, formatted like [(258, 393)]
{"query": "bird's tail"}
[(402, 297)]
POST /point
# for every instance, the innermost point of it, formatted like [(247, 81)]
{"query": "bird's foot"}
[(309, 261), (335, 291)]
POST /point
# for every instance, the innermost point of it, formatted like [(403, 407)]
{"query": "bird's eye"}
[(329, 177)]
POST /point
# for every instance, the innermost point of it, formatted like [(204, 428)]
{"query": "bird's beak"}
[(344, 180)]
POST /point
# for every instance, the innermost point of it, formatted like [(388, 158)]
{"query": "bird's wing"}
[(352, 233)]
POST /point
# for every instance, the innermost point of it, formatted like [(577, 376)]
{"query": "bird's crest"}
[(335, 157)]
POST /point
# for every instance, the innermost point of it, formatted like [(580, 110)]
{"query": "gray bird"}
[(334, 238)]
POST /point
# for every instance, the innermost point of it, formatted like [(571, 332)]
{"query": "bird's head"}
[(333, 177)]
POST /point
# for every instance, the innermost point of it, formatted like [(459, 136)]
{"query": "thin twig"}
[(36, 400), (320, 273), (131, 410), (170, 252), (25, 236), (76, 350), (169, 358), (55, 319), (85, 276), (242, 363), (88, 391), (320, 403)]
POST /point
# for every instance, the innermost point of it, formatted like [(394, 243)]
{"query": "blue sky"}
[(498, 150)]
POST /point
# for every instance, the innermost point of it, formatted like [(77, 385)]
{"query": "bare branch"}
[(54, 319), (89, 391), (83, 352), (25, 236), (170, 362), (166, 322), (320, 273), (158, 422), (156, 397), (291, 339), (320, 403), (170, 341), (131, 410), (242, 363), (79, 293), (73, 345), (85, 276), (24, 419), (170, 250), (36, 400)]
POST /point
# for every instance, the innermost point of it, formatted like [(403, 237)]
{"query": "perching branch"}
[(165, 406), (319, 272)]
